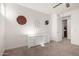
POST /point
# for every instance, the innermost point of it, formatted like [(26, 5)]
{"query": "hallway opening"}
[(64, 23), (66, 27)]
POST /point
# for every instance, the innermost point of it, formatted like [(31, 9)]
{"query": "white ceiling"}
[(48, 7), (42, 7)]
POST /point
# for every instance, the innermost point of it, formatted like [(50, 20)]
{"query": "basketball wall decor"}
[(21, 20)]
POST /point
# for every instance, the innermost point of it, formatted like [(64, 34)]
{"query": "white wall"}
[(75, 27), (1, 34), (16, 34), (59, 28), (54, 27), (2, 31), (56, 33), (74, 22)]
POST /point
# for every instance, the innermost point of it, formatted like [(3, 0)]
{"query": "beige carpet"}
[(63, 48)]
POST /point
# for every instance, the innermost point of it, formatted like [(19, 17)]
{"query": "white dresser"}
[(39, 39)]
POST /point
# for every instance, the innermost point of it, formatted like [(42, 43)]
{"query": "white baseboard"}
[(75, 42)]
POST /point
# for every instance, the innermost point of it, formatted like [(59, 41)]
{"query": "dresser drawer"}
[(37, 40)]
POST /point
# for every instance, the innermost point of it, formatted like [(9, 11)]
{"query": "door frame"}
[(68, 18)]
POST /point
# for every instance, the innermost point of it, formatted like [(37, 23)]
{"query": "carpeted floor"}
[(63, 48)]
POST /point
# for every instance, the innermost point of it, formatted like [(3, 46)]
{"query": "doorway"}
[(64, 28)]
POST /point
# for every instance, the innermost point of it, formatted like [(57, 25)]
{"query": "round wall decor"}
[(21, 20), (46, 22)]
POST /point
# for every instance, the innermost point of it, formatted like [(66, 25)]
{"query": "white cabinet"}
[(34, 40)]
